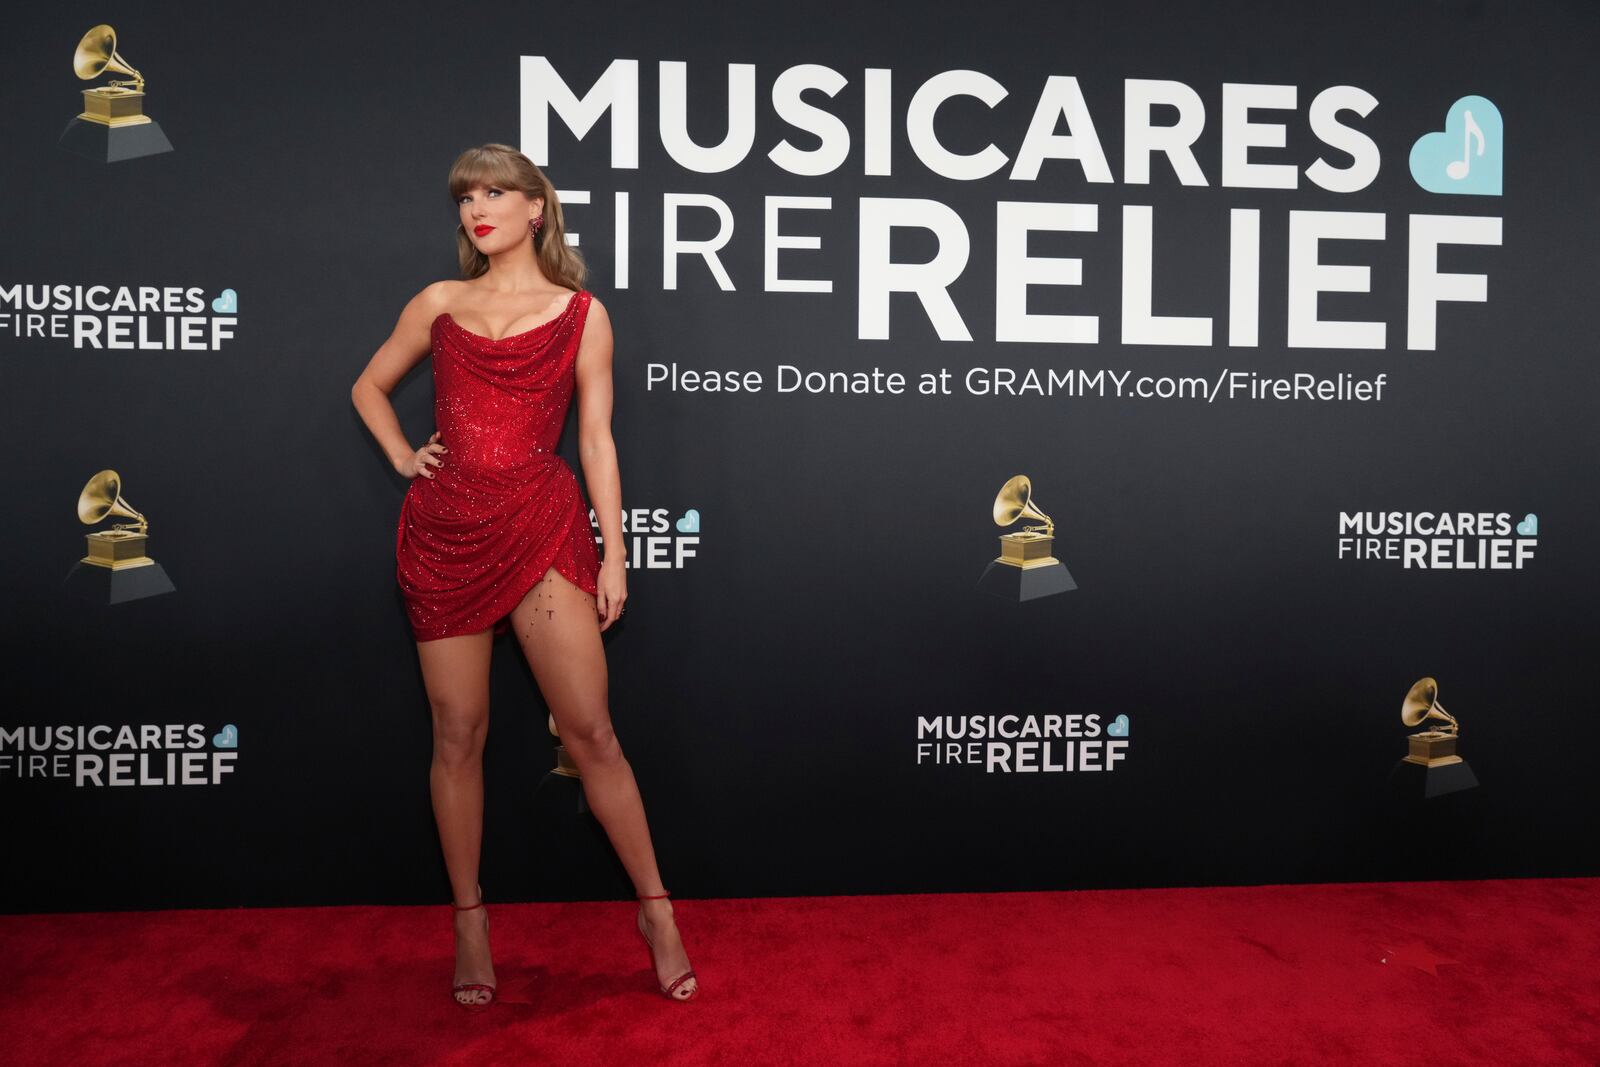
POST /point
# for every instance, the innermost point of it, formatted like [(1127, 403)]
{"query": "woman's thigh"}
[(559, 630), (455, 673)]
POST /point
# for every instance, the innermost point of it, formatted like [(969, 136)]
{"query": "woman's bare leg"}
[(455, 672), (559, 630)]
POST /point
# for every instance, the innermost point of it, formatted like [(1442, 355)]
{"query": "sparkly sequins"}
[(504, 508)]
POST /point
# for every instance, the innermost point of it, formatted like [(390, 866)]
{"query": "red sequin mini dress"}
[(504, 508)]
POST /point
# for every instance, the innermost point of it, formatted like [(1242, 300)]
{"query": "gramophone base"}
[(1025, 583), (566, 768), (1414, 781), (569, 787), (111, 144), (102, 585)]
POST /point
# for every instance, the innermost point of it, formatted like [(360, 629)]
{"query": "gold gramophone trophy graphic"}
[(564, 829), (112, 125), (1025, 568), (564, 765), (1432, 763), (565, 768), (562, 787), (116, 568)]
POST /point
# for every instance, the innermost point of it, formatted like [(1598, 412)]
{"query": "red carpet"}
[(1263, 975)]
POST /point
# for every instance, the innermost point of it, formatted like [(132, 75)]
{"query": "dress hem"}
[(502, 623)]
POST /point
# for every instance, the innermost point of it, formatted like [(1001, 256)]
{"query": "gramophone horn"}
[(1422, 704), (1015, 501), (102, 496), (97, 53)]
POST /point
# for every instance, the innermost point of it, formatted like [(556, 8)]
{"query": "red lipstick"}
[(481, 229)]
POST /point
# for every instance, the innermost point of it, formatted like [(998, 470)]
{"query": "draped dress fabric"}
[(504, 508)]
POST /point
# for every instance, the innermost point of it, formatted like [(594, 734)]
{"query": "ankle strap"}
[(469, 907), (660, 896)]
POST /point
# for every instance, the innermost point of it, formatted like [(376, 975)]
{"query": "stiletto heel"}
[(672, 987), (473, 987)]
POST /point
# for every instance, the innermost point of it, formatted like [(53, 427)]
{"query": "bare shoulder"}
[(596, 327), (596, 343), (597, 312), (438, 297), (417, 317)]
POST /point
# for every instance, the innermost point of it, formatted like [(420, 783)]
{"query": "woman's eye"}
[(494, 192)]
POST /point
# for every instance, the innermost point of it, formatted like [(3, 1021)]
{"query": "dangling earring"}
[(534, 225)]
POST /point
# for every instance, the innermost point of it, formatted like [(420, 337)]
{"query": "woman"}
[(494, 533)]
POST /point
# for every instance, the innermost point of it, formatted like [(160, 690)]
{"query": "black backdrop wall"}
[(804, 612)]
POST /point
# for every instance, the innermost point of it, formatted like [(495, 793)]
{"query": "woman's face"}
[(497, 219)]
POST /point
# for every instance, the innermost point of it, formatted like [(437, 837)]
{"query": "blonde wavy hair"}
[(503, 166)]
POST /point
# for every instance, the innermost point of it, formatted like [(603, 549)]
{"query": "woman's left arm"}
[(598, 454)]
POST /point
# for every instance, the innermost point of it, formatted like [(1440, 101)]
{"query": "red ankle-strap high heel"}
[(672, 987), (472, 987)]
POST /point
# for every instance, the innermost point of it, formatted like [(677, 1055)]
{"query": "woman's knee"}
[(593, 741), (459, 730)]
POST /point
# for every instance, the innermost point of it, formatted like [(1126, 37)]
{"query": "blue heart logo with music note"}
[(227, 737), (1529, 526), (1118, 727), (1466, 156), (690, 523), (226, 303)]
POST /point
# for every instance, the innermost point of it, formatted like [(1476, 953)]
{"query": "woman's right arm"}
[(404, 349)]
